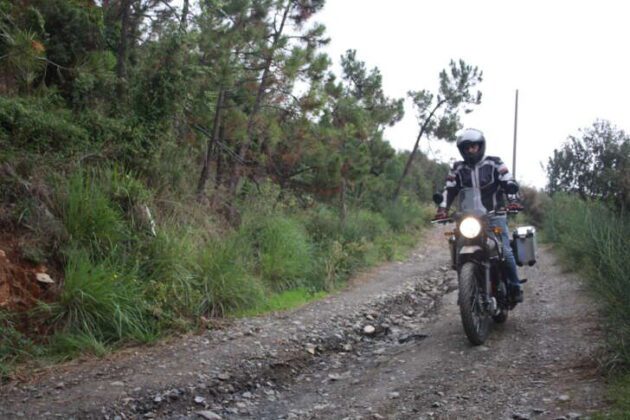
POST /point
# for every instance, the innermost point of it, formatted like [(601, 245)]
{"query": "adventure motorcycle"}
[(477, 255)]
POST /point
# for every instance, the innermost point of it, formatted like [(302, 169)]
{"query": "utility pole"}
[(515, 131)]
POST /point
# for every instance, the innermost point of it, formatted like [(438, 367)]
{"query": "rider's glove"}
[(515, 206), (441, 214)]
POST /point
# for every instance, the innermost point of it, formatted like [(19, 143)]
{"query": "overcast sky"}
[(569, 60)]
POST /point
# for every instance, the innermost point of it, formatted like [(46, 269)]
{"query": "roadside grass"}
[(283, 301), (65, 346), (620, 394), (14, 346), (596, 239), (130, 278), (281, 250), (223, 275), (167, 267), (99, 305)]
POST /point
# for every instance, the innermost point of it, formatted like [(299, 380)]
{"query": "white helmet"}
[(471, 136)]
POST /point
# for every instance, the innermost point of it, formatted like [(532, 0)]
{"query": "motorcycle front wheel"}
[(475, 320), (501, 317)]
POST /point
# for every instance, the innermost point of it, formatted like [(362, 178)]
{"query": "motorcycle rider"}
[(491, 176)]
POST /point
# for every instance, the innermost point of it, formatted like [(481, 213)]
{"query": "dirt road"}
[(390, 346)]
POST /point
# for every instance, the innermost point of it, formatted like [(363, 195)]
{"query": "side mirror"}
[(437, 198)]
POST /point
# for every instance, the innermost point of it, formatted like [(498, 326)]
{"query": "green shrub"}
[(123, 187), (29, 125), (535, 203), (99, 301), (14, 346), (327, 269), (364, 225), (90, 217), (405, 215), (322, 224), (596, 239), (168, 269), (224, 279), (68, 345), (282, 250), (385, 247)]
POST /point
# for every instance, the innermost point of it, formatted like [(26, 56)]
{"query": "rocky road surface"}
[(389, 346)]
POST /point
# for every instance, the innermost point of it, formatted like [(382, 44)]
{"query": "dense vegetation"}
[(172, 161), (594, 166), (588, 219)]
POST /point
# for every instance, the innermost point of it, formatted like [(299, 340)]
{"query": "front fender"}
[(470, 249)]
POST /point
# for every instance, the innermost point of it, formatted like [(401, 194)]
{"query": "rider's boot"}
[(516, 293)]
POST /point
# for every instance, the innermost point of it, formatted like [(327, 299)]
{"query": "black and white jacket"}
[(490, 175)]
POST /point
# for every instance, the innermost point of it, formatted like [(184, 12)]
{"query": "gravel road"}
[(390, 345)]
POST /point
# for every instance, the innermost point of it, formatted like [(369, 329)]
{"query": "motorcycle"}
[(477, 256)]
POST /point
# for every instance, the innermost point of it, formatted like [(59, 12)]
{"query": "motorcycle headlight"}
[(470, 227)]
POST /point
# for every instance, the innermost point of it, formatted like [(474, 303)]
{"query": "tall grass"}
[(405, 215), (90, 217), (167, 268), (364, 225), (596, 239), (282, 250), (225, 279), (100, 301), (14, 345)]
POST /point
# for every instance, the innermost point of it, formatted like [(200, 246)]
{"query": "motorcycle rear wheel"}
[(474, 319)]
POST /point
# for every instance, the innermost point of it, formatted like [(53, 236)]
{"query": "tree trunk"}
[(415, 150), (205, 171), (218, 176), (242, 154), (343, 205), (121, 53), (183, 24)]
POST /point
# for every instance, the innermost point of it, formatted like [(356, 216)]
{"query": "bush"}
[(535, 203), (64, 345), (100, 302), (364, 225), (322, 224), (14, 345), (168, 269), (328, 266), (90, 217), (123, 187), (405, 215), (282, 250), (224, 280), (27, 124)]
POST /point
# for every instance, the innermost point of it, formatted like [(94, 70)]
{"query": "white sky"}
[(569, 60)]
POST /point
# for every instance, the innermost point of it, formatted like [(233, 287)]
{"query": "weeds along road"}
[(389, 346)]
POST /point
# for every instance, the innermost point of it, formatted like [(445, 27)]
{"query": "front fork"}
[(489, 302)]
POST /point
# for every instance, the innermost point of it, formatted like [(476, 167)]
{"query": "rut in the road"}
[(389, 319)]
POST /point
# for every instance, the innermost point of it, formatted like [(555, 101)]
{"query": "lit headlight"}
[(470, 227)]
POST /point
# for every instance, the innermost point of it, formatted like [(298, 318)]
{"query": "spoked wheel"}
[(475, 320)]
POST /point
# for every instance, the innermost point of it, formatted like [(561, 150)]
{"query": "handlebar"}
[(491, 213), (442, 221)]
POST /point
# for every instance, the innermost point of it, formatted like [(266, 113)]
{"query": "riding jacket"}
[(490, 175)]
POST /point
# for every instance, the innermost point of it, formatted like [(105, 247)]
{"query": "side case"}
[(524, 245)]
